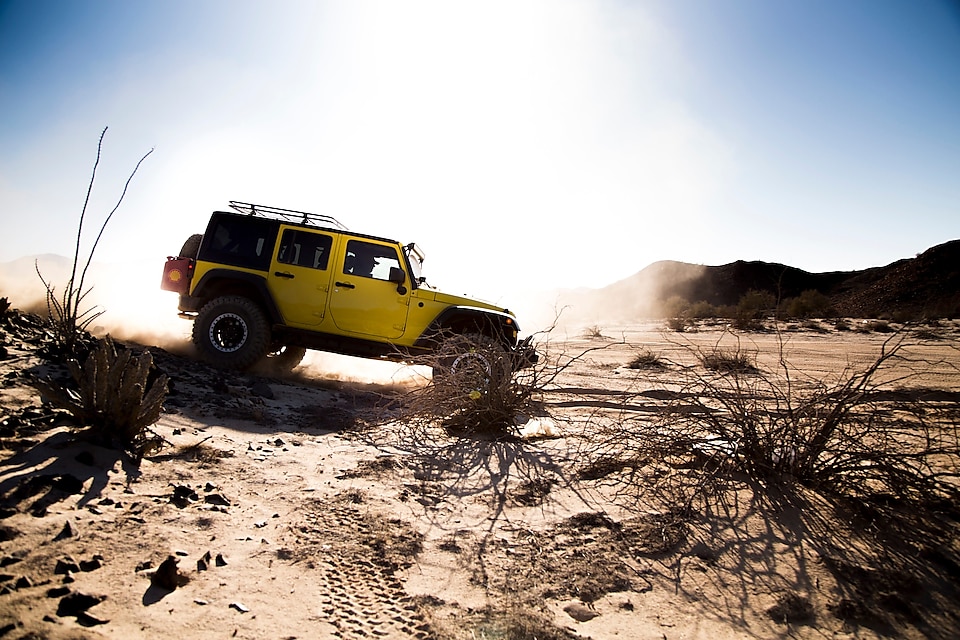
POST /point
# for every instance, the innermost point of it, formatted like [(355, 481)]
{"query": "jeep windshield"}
[(415, 260)]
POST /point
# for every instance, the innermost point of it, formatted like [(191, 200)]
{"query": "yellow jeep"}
[(268, 283)]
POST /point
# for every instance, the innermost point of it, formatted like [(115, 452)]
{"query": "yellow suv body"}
[(264, 282)]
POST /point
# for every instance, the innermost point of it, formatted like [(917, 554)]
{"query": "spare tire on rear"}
[(191, 247)]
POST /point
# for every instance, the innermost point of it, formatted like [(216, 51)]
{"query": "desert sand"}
[(288, 514)]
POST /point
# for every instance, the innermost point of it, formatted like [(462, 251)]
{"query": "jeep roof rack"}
[(285, 214)]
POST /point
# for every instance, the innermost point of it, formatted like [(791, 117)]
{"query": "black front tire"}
[(231, 332), (472, 358)]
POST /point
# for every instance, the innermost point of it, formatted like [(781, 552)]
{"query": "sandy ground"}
[(289, 517)]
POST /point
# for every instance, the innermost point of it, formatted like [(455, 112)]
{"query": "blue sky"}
[(525, 145)]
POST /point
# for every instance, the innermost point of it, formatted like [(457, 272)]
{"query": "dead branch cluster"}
[(781, 429)]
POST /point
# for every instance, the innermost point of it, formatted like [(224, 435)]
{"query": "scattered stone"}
[(76, 603), (200, 602), (209, 487), (143, 566), (66, 564), (260, 524), (183, 496), (92, 564), (181, 553), (204, 562), (217, 499), (69, 579), (23, 582), (13, 558), (239, 606), (88, 620), (67, 532), (220, 560), (263, 390), (167, 575), (580, 612), (8, 533), (58, 592)]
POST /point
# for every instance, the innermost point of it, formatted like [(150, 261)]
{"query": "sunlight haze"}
[(527, 146)]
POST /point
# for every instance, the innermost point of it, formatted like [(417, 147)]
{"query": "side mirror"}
[(399, 277)]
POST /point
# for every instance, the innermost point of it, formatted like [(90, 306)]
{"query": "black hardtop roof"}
[(297, 218)]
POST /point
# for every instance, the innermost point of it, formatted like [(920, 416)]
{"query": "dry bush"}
[(847, 436), (115, 398), (594, 332), (724, 360), (646, 359)]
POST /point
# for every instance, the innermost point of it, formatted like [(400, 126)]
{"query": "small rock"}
[(58, 592), (220, 560), (143, 566), (263, 390), (74, 604), (183, 496), (66, 565), (87, 620), (67, 532), (217, 499), (167, 575), (260, 524), (92, 564), (23, 582), (13, 558), (239, 606), (580, 612)]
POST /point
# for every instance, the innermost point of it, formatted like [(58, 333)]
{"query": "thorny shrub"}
[(115, 399), (849, 435)]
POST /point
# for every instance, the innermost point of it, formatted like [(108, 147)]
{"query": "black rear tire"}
[(231, 332), (283, 360)]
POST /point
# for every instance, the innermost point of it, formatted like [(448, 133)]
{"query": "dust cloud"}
[(641, 297), (136, 310)]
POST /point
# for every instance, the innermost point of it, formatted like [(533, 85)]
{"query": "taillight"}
[(177, 273)]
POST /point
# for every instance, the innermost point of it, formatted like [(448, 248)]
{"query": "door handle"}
[(283, 274), (345, 285)]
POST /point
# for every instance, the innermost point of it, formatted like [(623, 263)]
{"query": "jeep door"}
[(300, 275), (364, 300)]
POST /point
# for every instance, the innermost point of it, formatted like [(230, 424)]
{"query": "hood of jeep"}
[(459, 301)]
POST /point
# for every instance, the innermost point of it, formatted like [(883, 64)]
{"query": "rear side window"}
[(305, 249), (241, 241)]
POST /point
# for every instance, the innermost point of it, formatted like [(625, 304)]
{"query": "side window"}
[(370, 260), (305, 249), (240, 241)]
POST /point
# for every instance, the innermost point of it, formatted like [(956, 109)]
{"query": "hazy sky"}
[(523, 144)]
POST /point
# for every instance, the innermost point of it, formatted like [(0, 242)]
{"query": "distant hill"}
[(928, 285)]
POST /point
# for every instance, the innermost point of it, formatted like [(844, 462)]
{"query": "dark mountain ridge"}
[(925, 286)]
